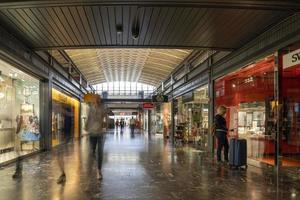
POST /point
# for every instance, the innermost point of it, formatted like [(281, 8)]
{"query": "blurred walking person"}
[(122, 124), (132, 125), (96, 126), (117, 124), (19, 165), (66, 138)]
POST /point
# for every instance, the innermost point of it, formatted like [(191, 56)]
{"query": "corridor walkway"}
[(140, 168)]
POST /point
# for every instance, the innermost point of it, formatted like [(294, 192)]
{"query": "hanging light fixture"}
[(135, 29)]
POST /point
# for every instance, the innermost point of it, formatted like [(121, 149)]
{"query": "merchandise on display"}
[(192, 117), (19, 112)]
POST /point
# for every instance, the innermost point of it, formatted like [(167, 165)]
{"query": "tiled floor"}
[(142, 168), (4, 157)]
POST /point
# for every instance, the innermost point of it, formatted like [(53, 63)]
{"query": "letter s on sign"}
[(294, 58)]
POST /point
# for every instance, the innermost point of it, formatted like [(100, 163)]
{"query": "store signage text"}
[(291, 59)]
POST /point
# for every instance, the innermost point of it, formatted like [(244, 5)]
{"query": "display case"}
[(251, 118)]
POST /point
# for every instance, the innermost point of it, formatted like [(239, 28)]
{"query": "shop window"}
[(19, 113), (290, 129), (191, 117), (249, 96), (65, 117)]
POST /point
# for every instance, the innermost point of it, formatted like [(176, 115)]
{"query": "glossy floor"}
[(138, 167)]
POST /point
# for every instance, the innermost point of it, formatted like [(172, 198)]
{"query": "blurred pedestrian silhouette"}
[(96, 126), (66, 137)]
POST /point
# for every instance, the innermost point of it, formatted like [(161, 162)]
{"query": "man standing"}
[(96, 127)]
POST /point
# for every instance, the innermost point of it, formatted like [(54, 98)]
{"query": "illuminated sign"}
[(148, 105)]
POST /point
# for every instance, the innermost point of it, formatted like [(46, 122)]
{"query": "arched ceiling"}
[(150, 66)]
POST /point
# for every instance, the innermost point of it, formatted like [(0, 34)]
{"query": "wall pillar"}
[(211, 107), (46, 113)]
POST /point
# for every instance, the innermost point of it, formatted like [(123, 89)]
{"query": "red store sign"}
[(148, 105)]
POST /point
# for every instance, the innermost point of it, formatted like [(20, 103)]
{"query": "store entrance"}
[(248, 94), (191, 119), (62, 122), (65, 117)]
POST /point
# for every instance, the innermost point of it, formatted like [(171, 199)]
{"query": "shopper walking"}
[(221, 133), (96, 126), (132, 125), (19, 165), (122, 124), (66, 138), (117, 124)]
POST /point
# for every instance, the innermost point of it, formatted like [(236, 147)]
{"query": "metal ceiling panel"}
[(84, 25)]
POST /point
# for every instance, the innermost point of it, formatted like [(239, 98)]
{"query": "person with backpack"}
[(220, 131)]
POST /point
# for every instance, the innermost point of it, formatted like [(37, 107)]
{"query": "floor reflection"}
[(141, 168)]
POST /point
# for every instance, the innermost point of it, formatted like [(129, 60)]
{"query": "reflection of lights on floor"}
[(121, 158)]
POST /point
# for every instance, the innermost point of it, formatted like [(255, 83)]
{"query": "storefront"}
[(257, 113), (65, 117), (248, 94), (161, 119), (19, 113), (191, 117), (290, 110)]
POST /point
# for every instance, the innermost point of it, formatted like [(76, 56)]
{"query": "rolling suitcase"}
[(231, 151), (238, 153)]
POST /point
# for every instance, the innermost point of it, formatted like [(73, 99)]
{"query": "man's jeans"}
[(97, 140)]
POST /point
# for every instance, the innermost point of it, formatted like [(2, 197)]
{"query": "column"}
[(278, 110), (210, 107), (172, 121), (46, 113), (149, 122)]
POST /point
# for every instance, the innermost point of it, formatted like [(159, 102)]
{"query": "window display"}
[(161, 119), (290, 125), (248, 94), (65, 117), (19, 113), (192, 117)]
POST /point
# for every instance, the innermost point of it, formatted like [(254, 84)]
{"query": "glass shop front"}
[(65, 117), (191, 117), (290, 106), (253, 113), (161, 119), (248, 94), (19, 113)]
